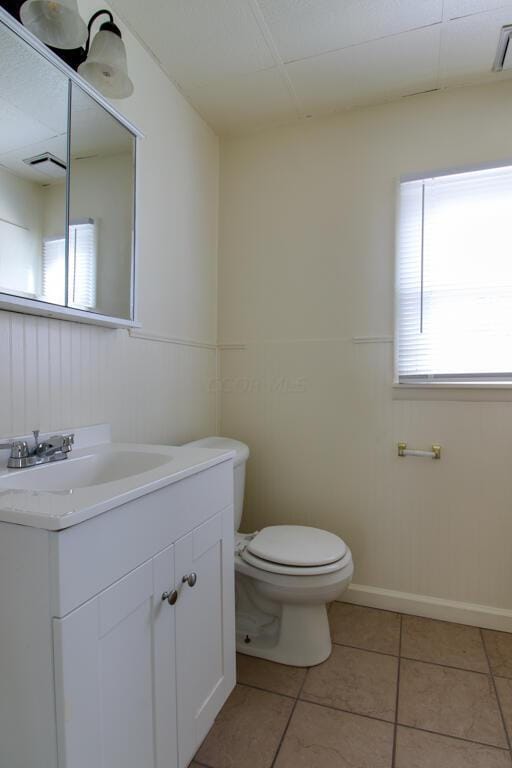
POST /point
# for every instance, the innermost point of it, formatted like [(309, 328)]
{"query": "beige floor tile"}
[(416, 749), (504, 688), (247, 731), (450, 701), (443, 643), (323, 738), (499, 648), (277, 678), (365, 628), (358, 681)]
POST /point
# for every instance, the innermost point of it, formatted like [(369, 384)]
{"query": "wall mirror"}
[(67, 190)]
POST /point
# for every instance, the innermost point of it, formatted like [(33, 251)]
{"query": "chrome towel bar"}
[(434, 453)]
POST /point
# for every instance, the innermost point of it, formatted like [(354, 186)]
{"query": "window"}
[(454, 278), (82, 267)]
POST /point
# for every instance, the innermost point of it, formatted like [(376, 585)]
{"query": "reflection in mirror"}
[(100, 210), (33, 159)]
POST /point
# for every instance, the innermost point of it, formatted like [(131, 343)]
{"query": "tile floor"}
[(397, 692)]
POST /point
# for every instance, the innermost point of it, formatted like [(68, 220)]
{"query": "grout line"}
[(266, 690), (496, 692), (411, 658), (445, 666), (450, 736), (346, 711), (368, 650), (289, 720), (395, 728), (403, 725)]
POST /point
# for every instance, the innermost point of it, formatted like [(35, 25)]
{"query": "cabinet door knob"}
[(190, 579), (171, 597)]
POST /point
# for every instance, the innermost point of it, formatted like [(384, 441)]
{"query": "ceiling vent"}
[(47, 164), (503, 58)]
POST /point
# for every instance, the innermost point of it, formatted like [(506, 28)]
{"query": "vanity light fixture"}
[(56, 22), (59, 25), (105, 64)]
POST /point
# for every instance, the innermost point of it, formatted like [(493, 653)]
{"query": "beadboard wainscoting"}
[(57, 374)]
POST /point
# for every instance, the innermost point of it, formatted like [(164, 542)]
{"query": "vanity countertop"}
[(54, 497)]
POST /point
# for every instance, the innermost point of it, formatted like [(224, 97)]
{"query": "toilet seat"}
[(295, 550), (293, 570)]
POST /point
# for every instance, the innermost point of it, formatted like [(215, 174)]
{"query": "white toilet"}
[(285, 576)]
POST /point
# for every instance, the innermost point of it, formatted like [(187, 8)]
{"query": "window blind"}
[(82, 267), (454, 278)]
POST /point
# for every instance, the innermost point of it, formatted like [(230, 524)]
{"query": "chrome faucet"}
[(54, 448)]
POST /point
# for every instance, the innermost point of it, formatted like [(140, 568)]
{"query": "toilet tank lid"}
[(223, 444)]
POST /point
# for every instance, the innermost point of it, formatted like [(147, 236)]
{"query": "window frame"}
[(440, 382)]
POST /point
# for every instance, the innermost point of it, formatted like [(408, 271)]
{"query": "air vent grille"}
[(48, 164), (503, 58)]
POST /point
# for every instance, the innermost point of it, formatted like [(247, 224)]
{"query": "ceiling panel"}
[(198, 41), (246, 103), (469, 46), (31, 83), (18, 129), (456, 8), (13, 161), (376, 71), (303, 28)]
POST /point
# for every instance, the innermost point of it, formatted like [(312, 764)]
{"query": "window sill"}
[(470, 390)]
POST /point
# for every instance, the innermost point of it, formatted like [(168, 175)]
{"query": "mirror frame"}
[(34, 306)]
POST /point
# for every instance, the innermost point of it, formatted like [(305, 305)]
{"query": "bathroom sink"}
[(84, 471), (96, 476)]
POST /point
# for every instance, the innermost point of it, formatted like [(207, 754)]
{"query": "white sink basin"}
[(98, 475), (84, 471)]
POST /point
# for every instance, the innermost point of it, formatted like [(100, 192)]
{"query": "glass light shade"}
[(106, 67), (56, 22)]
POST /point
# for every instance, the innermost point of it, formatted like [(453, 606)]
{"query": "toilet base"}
[(299, 637)]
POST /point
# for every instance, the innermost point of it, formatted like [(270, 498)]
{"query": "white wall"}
[(306, 269), (56, 374), (21, 224)]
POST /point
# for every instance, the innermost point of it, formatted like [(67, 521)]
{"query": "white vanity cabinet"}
[(136, 681)]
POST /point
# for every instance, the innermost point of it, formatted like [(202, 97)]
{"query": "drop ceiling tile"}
[(303, 28), (198, 41), (13, 161), (372, 72), (245, 103), (454, 9), (32, 84), (19, 130), (469, 46)]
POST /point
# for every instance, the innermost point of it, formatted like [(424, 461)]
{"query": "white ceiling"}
[(34, 109), (245, 64)]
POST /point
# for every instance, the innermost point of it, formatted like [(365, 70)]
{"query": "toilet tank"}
[(241, 455)]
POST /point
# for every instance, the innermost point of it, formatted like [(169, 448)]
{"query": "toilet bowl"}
[(285, 577)]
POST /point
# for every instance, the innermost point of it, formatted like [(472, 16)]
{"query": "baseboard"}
[(485, 616)]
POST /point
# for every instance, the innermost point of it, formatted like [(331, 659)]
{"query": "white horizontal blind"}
[(82, 267), (455, 277), (53, 270)]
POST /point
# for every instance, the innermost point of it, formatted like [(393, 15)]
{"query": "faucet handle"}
[(19, 449), (67, 442), (35, 432)]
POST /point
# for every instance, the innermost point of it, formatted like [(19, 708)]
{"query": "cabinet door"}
[(115, 675), (205, 629)]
